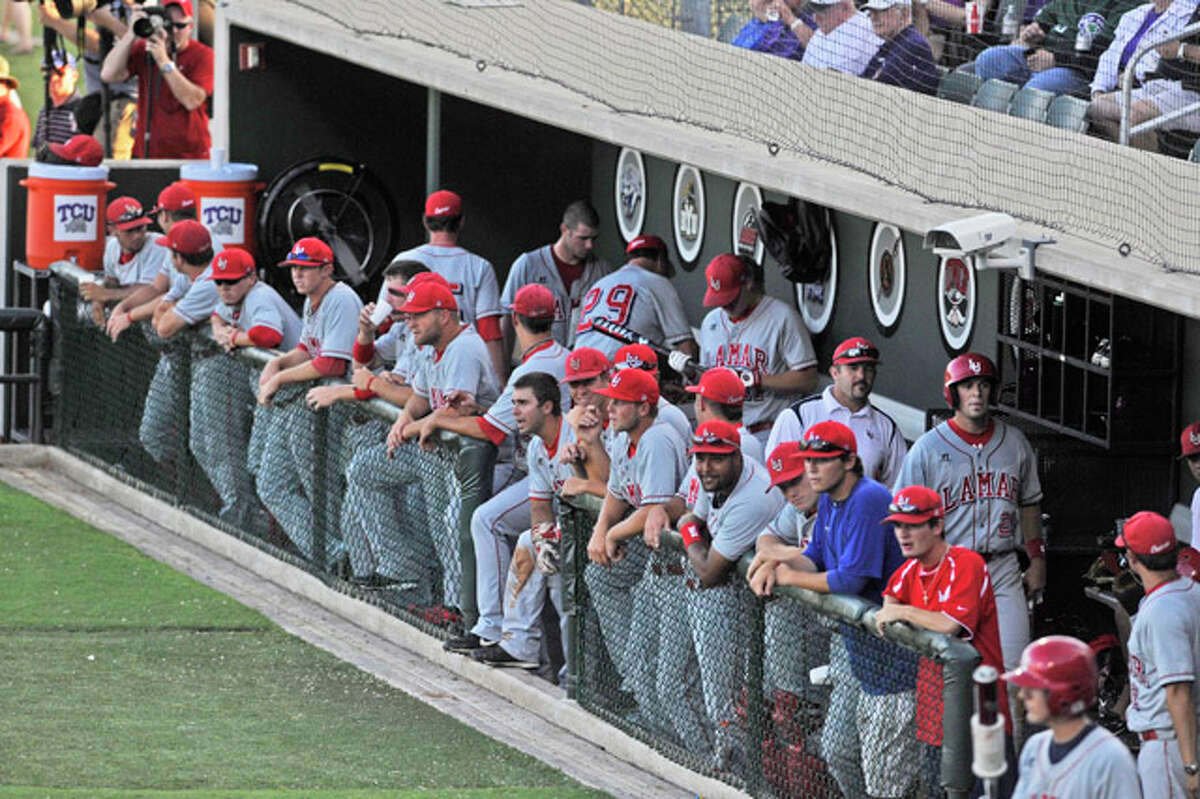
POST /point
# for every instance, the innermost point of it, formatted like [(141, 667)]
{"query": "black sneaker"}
[(466, 644), (495, 655)]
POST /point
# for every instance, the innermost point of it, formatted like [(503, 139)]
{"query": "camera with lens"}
[(154, 21)]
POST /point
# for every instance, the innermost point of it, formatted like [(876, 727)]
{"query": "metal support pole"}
[(433, 141), (696, 17)]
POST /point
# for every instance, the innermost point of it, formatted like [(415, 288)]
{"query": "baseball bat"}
[(625, 335)]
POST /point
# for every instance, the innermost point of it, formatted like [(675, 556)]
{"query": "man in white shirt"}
[(844, 40)]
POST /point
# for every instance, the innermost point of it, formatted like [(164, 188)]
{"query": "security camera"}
[(971, 236)]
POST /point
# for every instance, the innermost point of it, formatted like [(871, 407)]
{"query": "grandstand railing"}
[(1127, 86), (748, 712)]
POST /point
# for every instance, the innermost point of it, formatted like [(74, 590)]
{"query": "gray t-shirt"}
[(263, 307), (735, 525), (472, 279), (649, 474), (538, 266), (1099, 767), (546, 472), (1164, 648), (198, 301), (637, 298), (464, 366), (330, 330), (142, 268)]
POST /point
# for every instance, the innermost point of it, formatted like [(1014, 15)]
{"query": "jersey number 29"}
[(619, 300)]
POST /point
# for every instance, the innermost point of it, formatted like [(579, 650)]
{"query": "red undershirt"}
[(568, 272), (974, 439), (489, 430)]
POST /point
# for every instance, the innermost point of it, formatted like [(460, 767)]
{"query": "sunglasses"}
[(397, 293), (178, 26), (229, 281), (820, 445), (861, 352), (907, 508)]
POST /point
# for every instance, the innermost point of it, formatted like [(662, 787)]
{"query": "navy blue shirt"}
[(766, 36), (905, 60)]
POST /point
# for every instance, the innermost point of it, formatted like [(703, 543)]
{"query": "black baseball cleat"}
[(466, 644), (495, 655)]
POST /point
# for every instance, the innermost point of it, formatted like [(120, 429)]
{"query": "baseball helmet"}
[(1064, 667), (964, 367)]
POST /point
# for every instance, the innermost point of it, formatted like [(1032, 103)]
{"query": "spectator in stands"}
[(1153, 95), (173, 88), (21, 34), (844, 39), (939, 20), (776, 28), (14, 122), (1059, 50), (905, 58), (56, 122), (129, 263)]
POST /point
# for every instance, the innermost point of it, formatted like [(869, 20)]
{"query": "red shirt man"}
[(943, 588), (14, 124)]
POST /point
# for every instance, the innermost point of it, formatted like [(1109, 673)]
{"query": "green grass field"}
[(122, 679)]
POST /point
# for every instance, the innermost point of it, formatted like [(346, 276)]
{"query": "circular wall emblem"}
[(630, 191), (956, 301), (688, 211), (887, 274), (816, 301), (746, 241)]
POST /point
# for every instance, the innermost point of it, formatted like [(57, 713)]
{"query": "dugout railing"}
[(767, 696)]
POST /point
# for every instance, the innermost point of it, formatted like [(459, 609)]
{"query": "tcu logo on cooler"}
[(75, 217), (224, 218)]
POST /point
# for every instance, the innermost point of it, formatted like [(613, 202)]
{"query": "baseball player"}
[(568, 267), (329, 322), (128, 262), (758, 336), (497, 523), (943, 588), (987, 475), (587, 371), (639, 356), (1164, 660), (1075, 758), (176, 203), (647, 462), (250, 314), (472, 278), (639, 296), (1189, 450), (848, 400), (852, 551), (735, 502)]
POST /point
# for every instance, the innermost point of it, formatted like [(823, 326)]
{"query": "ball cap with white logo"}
[(646, 242), (724, 275), (584, 363), (720, 385), (308, 251), (126, 213), (442, 204), (188, 237), (636, 356), (231, 263), (1189, 440), (786, 463), (631, 385), (828, 440), (1147, 533), (915, 505), (176, 196), (855, 350), (716, 437), (429, 295), (534, 301)]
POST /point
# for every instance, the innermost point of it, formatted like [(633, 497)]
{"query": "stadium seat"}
[(968, 68), (1195, 156), (1032, 104), (959, 87), (1068, 113), (994, 95)]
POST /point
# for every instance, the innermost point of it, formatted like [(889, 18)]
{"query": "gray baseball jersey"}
[(689, 489), (1164, 648), (1099, 767), (546, 472), (263, 307), (674, 416), (329, 330), (198, 301), (551, 359), (649, 474), (881, 445), (142, 268), (1196, 518), (791, 527), (472, 278), (735, 525), (637, 298), (983, 488), (464, 366), (537, 266), (769, 340)]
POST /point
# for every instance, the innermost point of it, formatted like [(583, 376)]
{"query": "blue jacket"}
[(771, 37), (905, 60)]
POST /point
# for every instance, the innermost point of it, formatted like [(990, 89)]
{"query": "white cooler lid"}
[(226, 173), (38, 169)]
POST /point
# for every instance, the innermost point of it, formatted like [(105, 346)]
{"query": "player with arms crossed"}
[(639, 296), (1075, 758), (759, 337), (1164, 660)]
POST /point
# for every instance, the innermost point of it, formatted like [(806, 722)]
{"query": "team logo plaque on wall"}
[(956, 301), (689, 213), (746, 240), (816, 301), (888, 275), (630, 191)]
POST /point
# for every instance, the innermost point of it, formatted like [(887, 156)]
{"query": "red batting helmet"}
[(1064, 667), (1188, 563), (964, 367)]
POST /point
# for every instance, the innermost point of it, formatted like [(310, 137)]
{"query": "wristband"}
[(690, 533), (1036, 548)]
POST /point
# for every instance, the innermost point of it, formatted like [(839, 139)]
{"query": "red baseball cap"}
[(81, 149), (231, 263), (1147, 533), (308, 251), (636, 356), (175, 197), (786, 463), (631, 385), (585, 363), (646, 242), (856, 350), (720, 385), (429, 295), (184, 5), (915, 505), (428, 277), (1189, 440), (535, 301), (443, 203), (725, 275), (716, 437), (828, 440), (188, 237), (126, 213)]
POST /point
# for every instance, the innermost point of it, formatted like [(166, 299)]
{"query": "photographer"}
[(175, 79)]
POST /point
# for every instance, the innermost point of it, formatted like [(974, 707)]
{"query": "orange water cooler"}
[(64, 219), (227, 196)]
